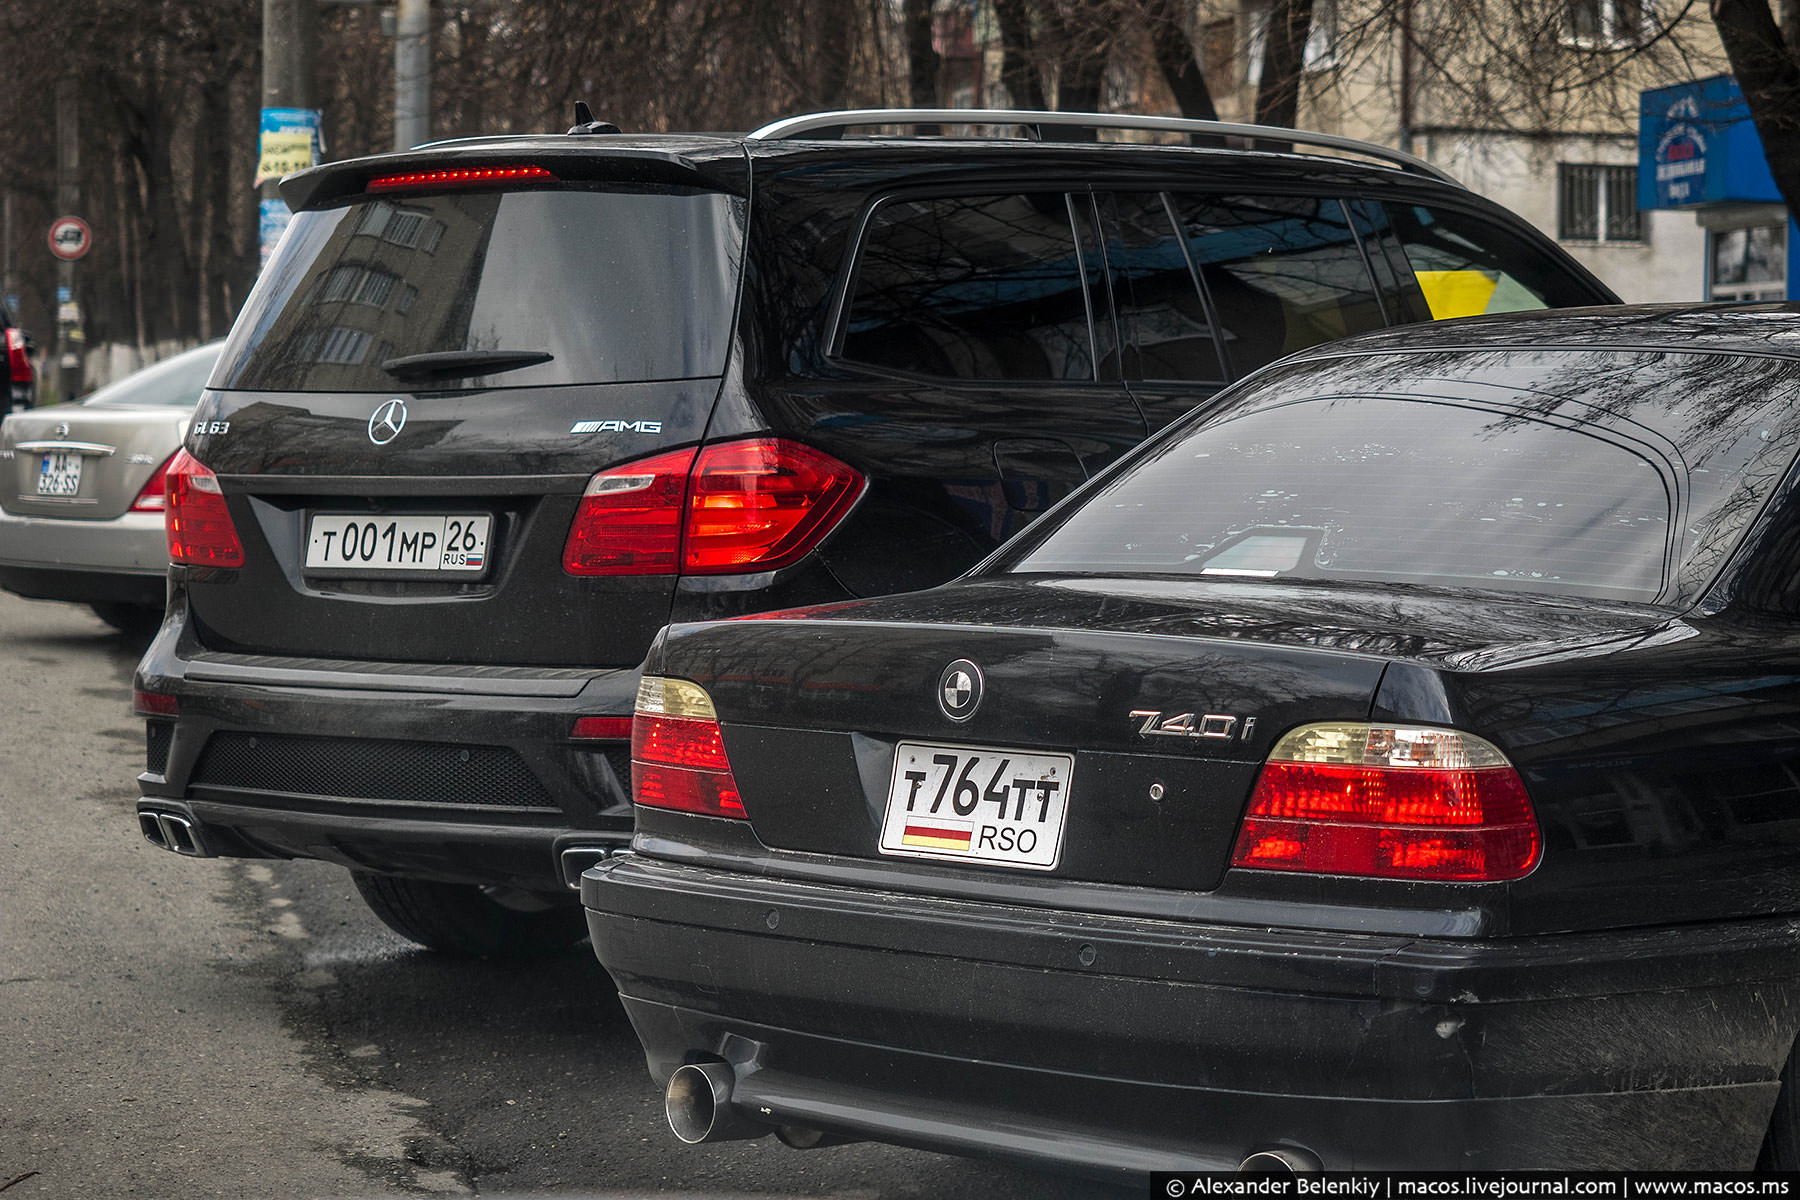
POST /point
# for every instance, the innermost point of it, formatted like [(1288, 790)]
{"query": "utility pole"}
[(69, 333), (290, 57), (412, 74)]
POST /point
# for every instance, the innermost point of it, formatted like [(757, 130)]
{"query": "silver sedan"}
[(81, 495)]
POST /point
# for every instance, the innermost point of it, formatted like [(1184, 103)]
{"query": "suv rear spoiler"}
[(566, 158), (831, 125)]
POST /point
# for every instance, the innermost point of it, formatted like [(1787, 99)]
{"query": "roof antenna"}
[(585, 123)]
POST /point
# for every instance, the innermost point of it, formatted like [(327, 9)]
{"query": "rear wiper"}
[(447, 363)]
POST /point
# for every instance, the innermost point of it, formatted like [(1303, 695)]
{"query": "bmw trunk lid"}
[(427, 377), (1117, 726)]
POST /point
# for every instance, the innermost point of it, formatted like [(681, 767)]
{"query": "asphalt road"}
[(184, 1027)]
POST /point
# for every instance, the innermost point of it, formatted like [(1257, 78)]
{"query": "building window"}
[(1748, 263), (1597, 203), (1609, 23)]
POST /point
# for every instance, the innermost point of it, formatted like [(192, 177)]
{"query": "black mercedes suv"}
[(499, 409)]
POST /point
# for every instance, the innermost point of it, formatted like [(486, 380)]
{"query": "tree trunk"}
[(1175, 58), (921, 55), (1764, 65), (1024, 89), (1284, 42)]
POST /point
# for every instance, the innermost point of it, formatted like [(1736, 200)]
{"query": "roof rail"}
[(831, 124)]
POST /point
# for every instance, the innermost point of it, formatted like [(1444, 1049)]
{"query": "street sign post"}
[(70, 238)]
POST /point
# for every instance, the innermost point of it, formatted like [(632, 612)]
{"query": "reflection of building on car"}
[(1391, 766), (81, 514), (644, 378)]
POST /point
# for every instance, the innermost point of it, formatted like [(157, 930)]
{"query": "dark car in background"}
[(503, 408), (81, 517), (1392, 767)]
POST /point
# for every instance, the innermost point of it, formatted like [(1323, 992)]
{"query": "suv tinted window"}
[(972, 287), (1570, 477), (615, 285), (1465, 265), (1167, 331), (1284, 272)]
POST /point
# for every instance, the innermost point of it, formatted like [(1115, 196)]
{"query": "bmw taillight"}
[(153, 497), (195, 518), (678, 752), (1396, 802), (18, 360), (753, 505)]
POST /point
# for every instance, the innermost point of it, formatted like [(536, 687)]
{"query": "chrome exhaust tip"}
[(169, 830), (1281, 1160), (698, 1105)]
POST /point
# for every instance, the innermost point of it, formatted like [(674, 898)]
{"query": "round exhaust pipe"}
[(698, 1105), (1281, 1160)]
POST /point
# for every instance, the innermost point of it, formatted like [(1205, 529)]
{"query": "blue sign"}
[(1697, 145), (272, 223)]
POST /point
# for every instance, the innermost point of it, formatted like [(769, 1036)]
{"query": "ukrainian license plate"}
[(59, 475), (343, 543), (962, 804)]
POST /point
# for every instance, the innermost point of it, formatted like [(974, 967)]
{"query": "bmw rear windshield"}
[(494, 289), (1622, 475)]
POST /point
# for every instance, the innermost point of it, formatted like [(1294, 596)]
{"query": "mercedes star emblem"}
[(959, 690), (62, 430), (386, 422)]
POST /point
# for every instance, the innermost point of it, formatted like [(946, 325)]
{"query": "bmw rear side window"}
[(576, 286), (1627, 476)]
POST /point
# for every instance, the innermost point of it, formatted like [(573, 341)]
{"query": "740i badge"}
[(1219, 726)]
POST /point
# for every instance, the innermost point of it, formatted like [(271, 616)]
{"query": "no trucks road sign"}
[(70, 237)]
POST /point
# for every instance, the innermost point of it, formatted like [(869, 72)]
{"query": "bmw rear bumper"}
[(1119, 1046)]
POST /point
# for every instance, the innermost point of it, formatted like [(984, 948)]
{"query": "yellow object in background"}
[(1457, 293)]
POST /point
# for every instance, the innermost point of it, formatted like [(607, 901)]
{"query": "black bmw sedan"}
[(1394, 765)]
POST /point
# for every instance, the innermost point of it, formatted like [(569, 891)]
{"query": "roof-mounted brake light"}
[(459, 177)]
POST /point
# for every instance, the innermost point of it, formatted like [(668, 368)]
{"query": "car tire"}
[(466, 919), (128, 618)]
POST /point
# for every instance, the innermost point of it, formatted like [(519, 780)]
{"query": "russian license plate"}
[(962, 804), (353, 544), (59, 475)]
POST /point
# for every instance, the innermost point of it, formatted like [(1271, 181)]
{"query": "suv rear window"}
[(617, 285), (1624, 476)]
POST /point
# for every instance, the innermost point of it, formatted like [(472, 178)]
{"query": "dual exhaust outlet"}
[(698, 1105), (167, 829)]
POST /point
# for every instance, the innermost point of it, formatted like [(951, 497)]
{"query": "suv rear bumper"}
[(352, 762), (1118, 1046)]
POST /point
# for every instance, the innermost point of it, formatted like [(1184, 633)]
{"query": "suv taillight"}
[(154, 496), (739, 506), (195, 518), (18, 362), (1389, 801), (678, 753)]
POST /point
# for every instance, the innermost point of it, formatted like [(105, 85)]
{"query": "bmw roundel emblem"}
[(386, 422), (959, 690)]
